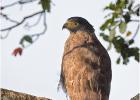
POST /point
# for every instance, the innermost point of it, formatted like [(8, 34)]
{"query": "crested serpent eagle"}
[(86, 66)]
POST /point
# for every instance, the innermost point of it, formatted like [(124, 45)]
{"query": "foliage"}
[(115, 31), (46, 6)]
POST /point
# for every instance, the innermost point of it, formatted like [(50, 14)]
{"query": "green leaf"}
[(105, 37), (137, 57), (131, 41), (105, 25), (112, 34), (138, 11), (127, 17), (118, 11), (118, 60), (109, 46), (115, 15), (46, 5), (118, 42), (121, 1), (121, 4), (111, 6), (125, 61), (122, 27), (134, 52), (27, 38), (128, 33)]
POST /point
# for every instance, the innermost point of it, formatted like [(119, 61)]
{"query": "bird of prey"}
[(86, 66)]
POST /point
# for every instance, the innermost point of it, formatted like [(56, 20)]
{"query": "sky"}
[(37, 71)]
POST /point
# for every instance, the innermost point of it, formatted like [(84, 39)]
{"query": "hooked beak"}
[(65, 25)]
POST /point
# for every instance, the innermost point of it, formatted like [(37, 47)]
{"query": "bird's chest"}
[(79, 58), (78, 69), (77, 40)]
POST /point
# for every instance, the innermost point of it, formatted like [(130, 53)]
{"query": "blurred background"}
[(32, 43)]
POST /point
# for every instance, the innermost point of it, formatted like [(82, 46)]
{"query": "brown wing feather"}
[(86, 68)]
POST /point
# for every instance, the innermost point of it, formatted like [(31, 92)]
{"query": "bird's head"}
[(75, 24)]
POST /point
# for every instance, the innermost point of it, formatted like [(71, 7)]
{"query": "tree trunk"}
[(12, 95)]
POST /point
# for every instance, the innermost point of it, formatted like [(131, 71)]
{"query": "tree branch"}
[(7, 34), (21, 2), (134, 20), (7, 18), (136, 31), (37, 35), (12, 95), (37, 22), (22, 21), (45, 28)]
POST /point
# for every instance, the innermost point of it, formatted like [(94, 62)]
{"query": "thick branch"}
[(137, 97), (12, 95)]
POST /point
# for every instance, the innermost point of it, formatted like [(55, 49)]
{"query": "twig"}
[(7, 18), (137, 6), (7, 34), (134, 20), (37, 35), (17, 2), (45, 28), (136, 31), (38, 20), (22, 21)]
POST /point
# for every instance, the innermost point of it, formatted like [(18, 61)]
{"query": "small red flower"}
[(17, 51)]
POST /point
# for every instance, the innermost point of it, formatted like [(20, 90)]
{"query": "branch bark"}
[(12, 95), (137, 97)]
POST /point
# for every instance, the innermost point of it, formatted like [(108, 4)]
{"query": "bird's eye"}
[(76, 24)]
